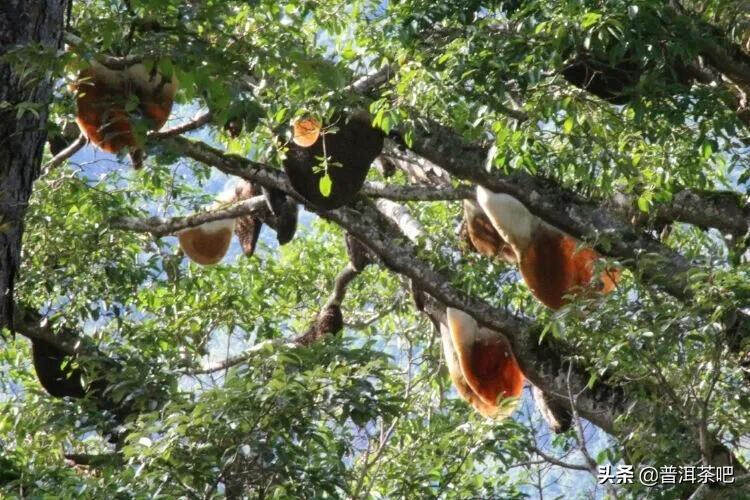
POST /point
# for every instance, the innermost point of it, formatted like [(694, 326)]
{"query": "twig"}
[(359, 325), (581, 439), (554, 461), (385, 436)]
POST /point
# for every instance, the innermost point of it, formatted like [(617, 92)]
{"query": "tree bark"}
[(22, 23)]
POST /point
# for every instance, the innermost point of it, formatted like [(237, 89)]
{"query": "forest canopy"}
[(401, 249)]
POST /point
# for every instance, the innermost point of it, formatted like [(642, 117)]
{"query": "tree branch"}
[(243, 356), (63, 155), (158, 226), (416, 193), (552, 460), (370, 82), (543, 363), (400, 216), (196, 123), (90, 460), (707, 209)]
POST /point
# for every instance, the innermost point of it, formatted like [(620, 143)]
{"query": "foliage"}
[(370, 412)]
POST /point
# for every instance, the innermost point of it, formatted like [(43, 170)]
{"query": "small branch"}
[(360, 325), (581, 438), (196, 123), (159, 226), (720, 210), (579, 426), (552, 460), (63, 155), (242, 357)]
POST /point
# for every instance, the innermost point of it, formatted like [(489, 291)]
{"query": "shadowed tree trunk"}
[(22, 23)]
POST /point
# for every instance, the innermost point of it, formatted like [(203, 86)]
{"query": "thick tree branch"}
[(707, 209), (732, 62), (416, 193), (544, 363)]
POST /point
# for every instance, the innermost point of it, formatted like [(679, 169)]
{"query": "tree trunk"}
[(22, 23)]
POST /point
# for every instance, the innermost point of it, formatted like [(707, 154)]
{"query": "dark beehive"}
[(55, 375), (351, 150)]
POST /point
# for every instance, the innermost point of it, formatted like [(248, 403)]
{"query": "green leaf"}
[(643, 204), (589, 19), (325, 185), (568, 125), (592, 380)]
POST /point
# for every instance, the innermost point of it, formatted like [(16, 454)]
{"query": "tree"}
[(38, 28), (623, 124)]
